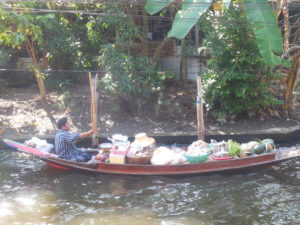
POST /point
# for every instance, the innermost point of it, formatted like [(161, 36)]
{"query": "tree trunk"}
[(40, 81), (145, 42), (291, 81), (157, 51), (183, 63), (30, 47), (143, 36), (286, 25), (183, 69), (38, 75), (293, 75)]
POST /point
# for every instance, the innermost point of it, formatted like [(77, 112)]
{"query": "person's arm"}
[(86, 134), (71, 137)]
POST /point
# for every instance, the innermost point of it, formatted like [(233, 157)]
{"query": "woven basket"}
[(138, 160)]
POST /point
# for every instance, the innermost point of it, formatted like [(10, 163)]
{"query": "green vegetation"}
[(237, 81), (4, 56), (268, 37), (129, 78), (234, 148), (23, 30), (243, 52)]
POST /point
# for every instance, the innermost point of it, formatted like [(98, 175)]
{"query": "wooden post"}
[(199, 103)]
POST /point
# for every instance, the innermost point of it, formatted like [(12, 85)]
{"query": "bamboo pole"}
[(91, 92), (200, 117), (94, 100)]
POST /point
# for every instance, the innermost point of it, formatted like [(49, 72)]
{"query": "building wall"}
[(194, 65)]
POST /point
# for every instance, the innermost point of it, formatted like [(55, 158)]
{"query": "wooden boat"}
[(251, 162)]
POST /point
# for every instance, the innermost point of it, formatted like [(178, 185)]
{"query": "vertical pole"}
[(199, 103), (94, 98), (196, 38)]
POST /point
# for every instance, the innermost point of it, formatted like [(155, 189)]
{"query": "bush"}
[(129, 78), (58, 82), (237, 81), (4, 57)]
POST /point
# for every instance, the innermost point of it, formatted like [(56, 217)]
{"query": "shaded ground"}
[(21, 114)]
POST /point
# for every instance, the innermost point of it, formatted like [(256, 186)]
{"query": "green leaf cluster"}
[(237, 81), (127, 77), (234, 148)]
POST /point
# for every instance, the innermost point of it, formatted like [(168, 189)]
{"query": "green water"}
[(33, 193)]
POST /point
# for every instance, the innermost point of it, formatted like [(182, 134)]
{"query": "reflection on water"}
[(33, 193)]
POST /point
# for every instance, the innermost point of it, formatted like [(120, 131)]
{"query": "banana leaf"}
[(226, 3), (268, 36), (154, 6), (187, 17)]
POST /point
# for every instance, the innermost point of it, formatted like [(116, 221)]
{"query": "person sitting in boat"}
[(65, 142)]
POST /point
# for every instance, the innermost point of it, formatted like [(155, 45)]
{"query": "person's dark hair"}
[(62, 122)]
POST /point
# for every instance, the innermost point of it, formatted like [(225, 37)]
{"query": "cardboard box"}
[(119, 152), (117, 159)]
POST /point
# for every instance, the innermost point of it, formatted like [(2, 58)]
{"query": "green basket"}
[(196, 159)]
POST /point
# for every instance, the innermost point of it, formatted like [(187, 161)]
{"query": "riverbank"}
[(22, 116)]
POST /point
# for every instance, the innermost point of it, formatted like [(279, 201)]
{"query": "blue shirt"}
[(65, 144)]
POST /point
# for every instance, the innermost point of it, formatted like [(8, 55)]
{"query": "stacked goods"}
[(104, 152), (198, 152), (269, 144), (220, 150), (168, 156), (105, 147), (231, 149), (247, 148), (257, 147), (141, 150), (119, 149), (42, 145)]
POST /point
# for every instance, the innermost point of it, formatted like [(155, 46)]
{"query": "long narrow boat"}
[(247, 163)]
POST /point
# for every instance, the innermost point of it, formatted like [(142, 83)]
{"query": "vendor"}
[(65, 142)]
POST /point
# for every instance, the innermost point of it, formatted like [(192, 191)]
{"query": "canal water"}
[(33, 193)]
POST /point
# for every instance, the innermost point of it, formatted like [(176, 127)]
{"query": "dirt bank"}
[(21, 114)]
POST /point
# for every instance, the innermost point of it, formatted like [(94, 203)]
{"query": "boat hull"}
[(232, 165)]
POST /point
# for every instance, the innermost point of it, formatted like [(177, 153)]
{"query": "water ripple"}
[(28, 186)]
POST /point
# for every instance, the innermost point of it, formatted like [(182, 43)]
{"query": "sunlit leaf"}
[(226, 3), (48, 5), (154, 6), (268, 36), (187, 17)]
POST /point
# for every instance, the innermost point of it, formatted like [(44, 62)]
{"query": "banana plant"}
[(258, 12)]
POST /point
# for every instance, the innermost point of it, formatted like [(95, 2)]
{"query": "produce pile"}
[(144, 150)]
